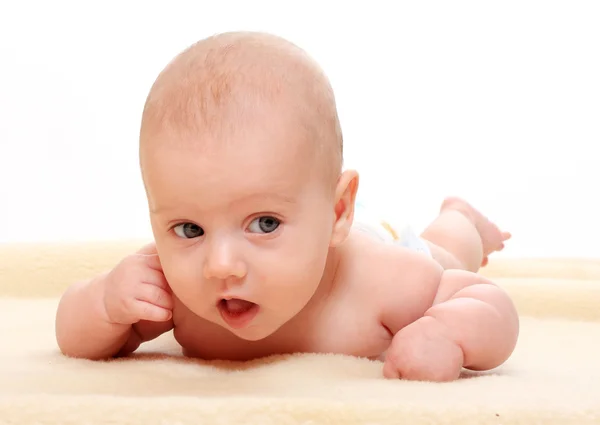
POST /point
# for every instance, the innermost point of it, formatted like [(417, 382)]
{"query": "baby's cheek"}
[(182, 278), (308, 269)]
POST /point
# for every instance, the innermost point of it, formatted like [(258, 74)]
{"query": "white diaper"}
[(365, 220)]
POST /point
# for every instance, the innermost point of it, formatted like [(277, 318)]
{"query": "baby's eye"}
[(265, 224), (188, 230)]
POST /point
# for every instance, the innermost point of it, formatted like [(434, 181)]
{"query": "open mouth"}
[(237, 313)]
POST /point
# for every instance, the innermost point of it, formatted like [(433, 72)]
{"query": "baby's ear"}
[(345, 195)]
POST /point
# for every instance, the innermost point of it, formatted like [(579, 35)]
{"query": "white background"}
[(498, 102)]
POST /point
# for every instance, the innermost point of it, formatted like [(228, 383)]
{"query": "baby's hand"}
[(423, 351), (136, 289)]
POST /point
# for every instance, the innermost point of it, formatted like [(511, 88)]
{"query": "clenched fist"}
[(423, 351)]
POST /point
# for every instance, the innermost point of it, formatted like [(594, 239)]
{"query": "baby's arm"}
[(480, 317), (82, 327), (472, 324), (133, 294)]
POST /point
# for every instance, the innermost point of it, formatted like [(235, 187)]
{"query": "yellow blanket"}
[(553, 376)]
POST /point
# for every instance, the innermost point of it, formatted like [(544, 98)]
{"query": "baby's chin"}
[(248, 320), (255, 331)]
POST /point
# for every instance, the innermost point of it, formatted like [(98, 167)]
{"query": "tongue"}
[(236, 307)]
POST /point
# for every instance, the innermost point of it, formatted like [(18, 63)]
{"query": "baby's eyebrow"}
[(251, 197), (157, 210), (277, 197), (262, 197)]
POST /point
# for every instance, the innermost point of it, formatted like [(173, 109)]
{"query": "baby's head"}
[(241, 156)]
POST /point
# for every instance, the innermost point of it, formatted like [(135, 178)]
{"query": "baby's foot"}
[(492, 238)]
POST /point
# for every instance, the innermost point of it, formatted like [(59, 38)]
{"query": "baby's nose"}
[(223, 262)]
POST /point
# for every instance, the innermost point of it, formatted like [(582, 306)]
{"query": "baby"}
[(259, 247)]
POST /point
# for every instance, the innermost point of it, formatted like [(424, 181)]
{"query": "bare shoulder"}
[(402, 283)]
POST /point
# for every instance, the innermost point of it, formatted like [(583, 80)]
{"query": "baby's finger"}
[(149, 255), (148, 249), (156, 278), (151, 312), (152, 261), (154, 295)]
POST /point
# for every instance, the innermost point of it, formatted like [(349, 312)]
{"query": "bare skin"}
[(255, 252), (462, 237), (415, 287)]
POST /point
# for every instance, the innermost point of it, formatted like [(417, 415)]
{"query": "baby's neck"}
[(329, 279)]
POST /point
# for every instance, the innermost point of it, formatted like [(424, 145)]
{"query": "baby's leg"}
[(461, 237)]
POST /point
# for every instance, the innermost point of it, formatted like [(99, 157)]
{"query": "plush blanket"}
[(553, 376)]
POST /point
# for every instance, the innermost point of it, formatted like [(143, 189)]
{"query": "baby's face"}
[(242, 227)]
